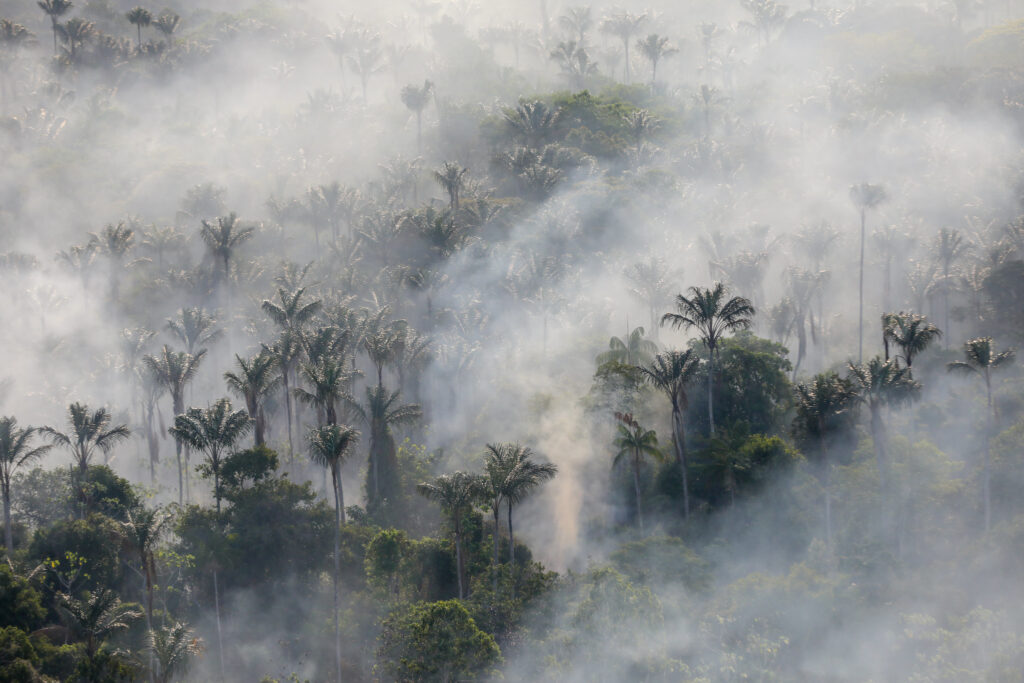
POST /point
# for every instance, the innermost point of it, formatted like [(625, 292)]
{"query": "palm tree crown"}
[(90, 430), (213, 431)]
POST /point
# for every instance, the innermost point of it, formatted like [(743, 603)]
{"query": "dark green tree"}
[(15, 451)]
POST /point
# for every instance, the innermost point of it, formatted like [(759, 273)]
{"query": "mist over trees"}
[(444, 341)]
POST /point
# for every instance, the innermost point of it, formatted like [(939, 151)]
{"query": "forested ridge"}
[(452, 341)]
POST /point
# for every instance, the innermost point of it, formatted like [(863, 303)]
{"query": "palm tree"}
[(981, 359), (821, 404), (652, 285), (95, 617), (115, 242), (524, 476), (142, 529), (195, 328), (672, 372), (865, 197), (624, 26), (911, 333), (949, 245), (417, 99), (54, 9), (634, 442), (253, 382), (382, 411), (656, 48), (329, 447), (577, 21), (286, 352), (877, 384), (329, 380), (139, 17), (15, 451), (383, 344), (635, 350), (173, 645), (167, 23), (532, 122), (224, 238), (456, 493), (173, 371), (213, 431), (498, 463), (575, 62), (292, 313), (452, 178), (76, 31), (89, 431), (712, 316)]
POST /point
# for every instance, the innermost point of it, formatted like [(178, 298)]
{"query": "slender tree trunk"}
[(636, 490), (339, 512), (288, 409), (8, 533), (419, 131), (860, 304), (511, 537), (494, 563), (711, 381), (458, 552), (680, 443), (986, 465), (220, 634), (181, 483)]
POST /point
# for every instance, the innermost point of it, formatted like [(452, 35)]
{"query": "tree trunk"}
[(419, 131), (181, 484), (986, 465), (711, 380), (511, 538), (8, 534), (860, 305), (339, 512), (458, 552), (494, 563), (636, 489), (288, 409), (680, 443), (220, 635)]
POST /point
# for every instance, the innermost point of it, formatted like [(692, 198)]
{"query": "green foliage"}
[(20, 604), (104, 492), (85, 550), (248, 467), (436, 641), (660, 561), (752, 384), (18, 659), (41, 497)]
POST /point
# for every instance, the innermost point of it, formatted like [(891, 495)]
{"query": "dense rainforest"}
[(443, 340)]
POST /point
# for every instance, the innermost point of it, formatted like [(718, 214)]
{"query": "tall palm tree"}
[(212, 431), (55, 9), (417, 99), (452, 178), (328, 380), (195, 328), (656, 48), (329, 446), (115, 241), (95, 617), (532, 123), (576, 22), (456, 493), (865, 197), (167, 23), (174, 371), (821, 406), (498, 463), (623, 25), (980, 359), (633, 350), (15, 451), (254, 381), (224, 238), (634, 442), (142, 529), (291, 312), (90, 430), (708, 311), (173, 645), (652, 285), (878, 384), (909, 332), (672, 372), (949, 245), (383, 411), (286, 351), (139, 17), (76, 31), (524, 476), (383, 343)]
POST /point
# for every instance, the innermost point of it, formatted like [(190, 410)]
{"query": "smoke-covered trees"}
[(16, 451)]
